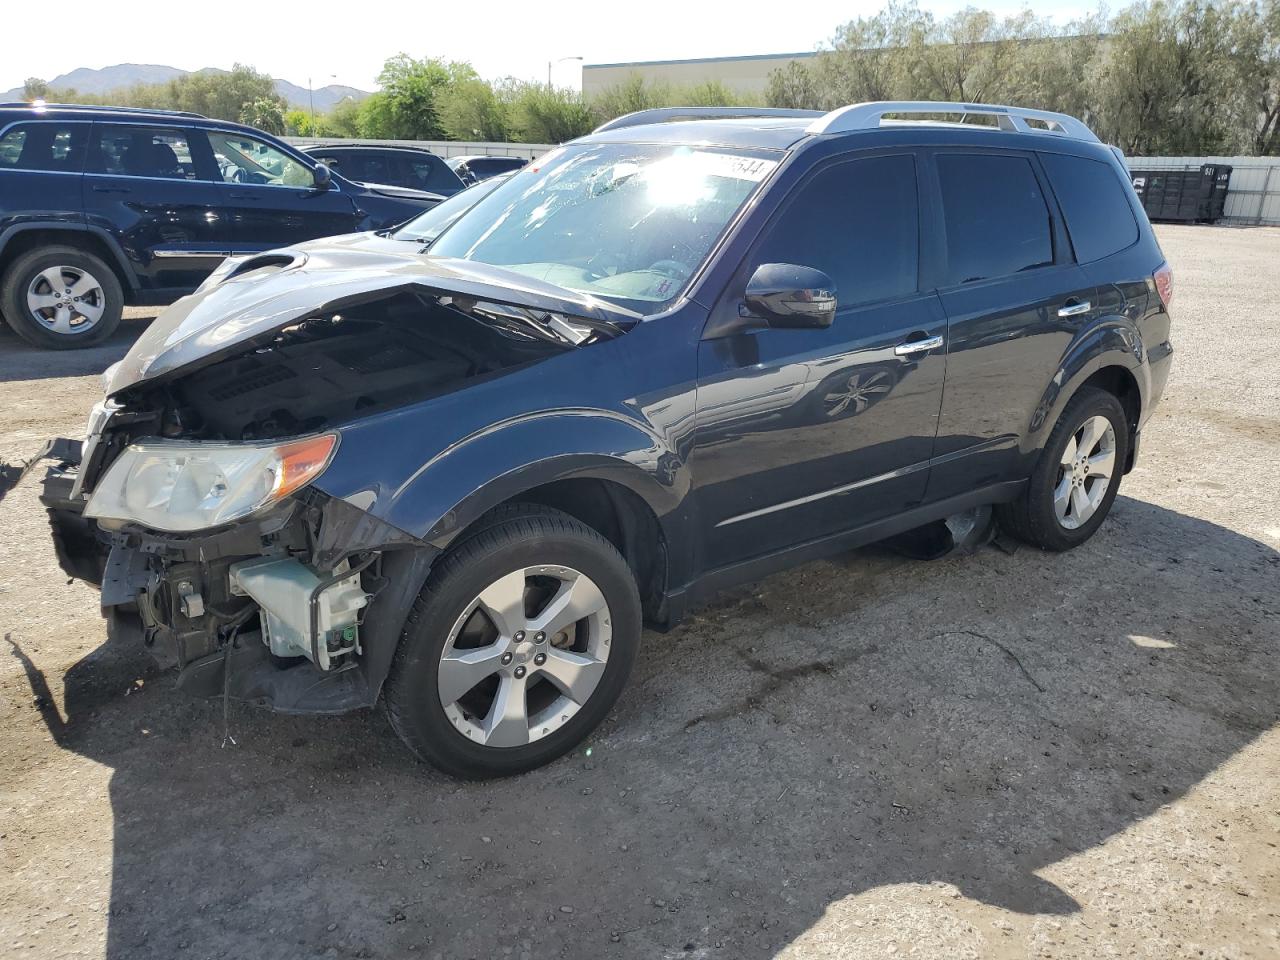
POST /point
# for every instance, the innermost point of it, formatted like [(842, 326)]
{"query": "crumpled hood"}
[(266, 292)]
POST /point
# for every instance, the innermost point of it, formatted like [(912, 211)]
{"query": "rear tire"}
[(1068, 497), (514, 697), (61, 297)]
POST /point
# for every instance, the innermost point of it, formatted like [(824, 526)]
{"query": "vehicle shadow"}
[(19, 360), (838, 728)]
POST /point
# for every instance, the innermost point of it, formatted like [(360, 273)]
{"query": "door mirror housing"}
[(323, 177), (790, 296)]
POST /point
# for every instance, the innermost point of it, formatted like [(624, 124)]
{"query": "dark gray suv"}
[(458, 473)]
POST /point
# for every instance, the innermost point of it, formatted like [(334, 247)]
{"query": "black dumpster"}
[(1184, 196)]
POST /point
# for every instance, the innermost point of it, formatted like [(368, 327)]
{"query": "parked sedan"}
[(398, 166), (475, 169)]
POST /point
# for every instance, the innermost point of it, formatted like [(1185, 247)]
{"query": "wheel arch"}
[(1108, 358), (607, 470), (25, 237)]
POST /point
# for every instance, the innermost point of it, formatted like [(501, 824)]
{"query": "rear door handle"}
[(112, 190), (917, 346), (243, 196), (1070, 309)]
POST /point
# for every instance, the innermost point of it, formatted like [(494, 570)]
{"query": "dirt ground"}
[(987, 756)]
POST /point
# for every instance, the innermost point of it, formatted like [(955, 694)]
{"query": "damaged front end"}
[(191, 505), (293, 607)]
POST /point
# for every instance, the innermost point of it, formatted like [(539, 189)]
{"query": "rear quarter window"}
[(1094, 203), (43, 146)]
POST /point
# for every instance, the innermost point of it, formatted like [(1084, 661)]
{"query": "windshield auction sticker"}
[(735, 167)]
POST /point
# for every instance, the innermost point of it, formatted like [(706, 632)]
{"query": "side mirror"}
[(323, 178), (790, 296)]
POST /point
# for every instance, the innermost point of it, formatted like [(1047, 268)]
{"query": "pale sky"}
[(348, 42)]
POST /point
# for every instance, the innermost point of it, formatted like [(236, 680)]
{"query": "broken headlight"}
[(183, 486)]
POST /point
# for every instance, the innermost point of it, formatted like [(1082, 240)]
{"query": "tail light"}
[(1164, 283)]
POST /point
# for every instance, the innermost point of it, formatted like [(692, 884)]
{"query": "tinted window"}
[(141, 152), (432, 173), (1094, 203), (368, 168), (857, 222), (43, 146), (997, 222)]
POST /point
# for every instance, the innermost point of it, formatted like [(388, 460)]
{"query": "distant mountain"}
[(102, 81), (326, 97)]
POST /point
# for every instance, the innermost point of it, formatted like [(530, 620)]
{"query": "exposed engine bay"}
[(326, 369), (299, 603)]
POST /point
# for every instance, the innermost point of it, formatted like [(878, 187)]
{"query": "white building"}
[(740, 74)]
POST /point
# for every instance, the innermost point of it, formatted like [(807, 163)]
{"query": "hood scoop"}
[(273, 262)]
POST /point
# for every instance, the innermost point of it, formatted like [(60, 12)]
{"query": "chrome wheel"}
[(66, 300), (1085, 471), (525, 656)]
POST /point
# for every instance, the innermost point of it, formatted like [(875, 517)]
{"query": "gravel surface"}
[(985, 756)]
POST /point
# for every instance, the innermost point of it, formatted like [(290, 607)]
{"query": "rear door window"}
[(52, 147), (431, 173), (1095, 204), (137, 151), (997, 220), (858, 222)]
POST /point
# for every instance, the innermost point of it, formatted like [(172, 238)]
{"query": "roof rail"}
[(668, 114), (101, 107), (867, 116)]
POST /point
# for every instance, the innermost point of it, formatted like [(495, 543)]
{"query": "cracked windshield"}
[(626, 222)]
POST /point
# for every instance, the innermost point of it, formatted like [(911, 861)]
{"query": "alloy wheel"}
[(66, 300), (1085, 470), (525, 656)]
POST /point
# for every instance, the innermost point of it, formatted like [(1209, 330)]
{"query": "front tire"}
[(61, 297), (1076, 479), (517, 647)]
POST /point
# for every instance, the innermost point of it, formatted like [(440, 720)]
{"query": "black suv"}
[(458, 473), (473, 169), (100, 207), (400, 166)]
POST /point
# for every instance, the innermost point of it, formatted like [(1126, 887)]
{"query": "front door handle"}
[(917, 346), (1074, 309), (112, 190)]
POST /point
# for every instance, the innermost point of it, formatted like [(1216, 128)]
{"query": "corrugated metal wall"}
[(1253, 197)]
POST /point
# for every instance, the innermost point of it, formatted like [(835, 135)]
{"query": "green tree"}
[(874, 58), (471, 109), (265, 113), (632, 94), (792, 86), (222, 95), (1253, 69), (344, 119), (1162, 79), (35, 89), (409, 105), (540, 115)]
